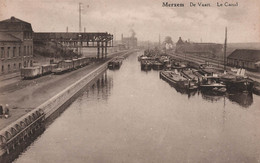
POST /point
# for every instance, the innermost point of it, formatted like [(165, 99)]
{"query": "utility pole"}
[(79, 43), (80, 17), (159, 41), (225, 50)]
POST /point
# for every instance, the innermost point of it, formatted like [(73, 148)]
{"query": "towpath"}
[(25, 95)]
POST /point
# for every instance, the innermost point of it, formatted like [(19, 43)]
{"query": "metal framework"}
[(101, 41)]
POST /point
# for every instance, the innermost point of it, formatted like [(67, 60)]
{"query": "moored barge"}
[(177, 80)]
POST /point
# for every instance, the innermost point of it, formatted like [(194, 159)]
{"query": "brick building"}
[(16, 45)]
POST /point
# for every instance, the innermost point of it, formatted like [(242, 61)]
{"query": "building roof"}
[(180, 41), (5, 37), (245, 54), (14, 24), (13, 20)]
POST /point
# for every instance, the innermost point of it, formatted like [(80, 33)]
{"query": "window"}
[(19, 51), (14, 66), (2, 52), (27, 51), (9, 68), (20, 65), (3, 68), (24, 51), (14, 51), (8, 52)]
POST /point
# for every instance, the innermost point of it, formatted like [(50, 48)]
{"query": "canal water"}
[(133, 116)]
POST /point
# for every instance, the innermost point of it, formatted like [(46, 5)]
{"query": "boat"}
[(192, 74), (115, 64), (177, 80), (238, 82), (208, 69), (212, 84), (256, 89), (157, 65), (146, 65)]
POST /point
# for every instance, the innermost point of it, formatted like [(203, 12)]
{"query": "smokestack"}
[(159, 40), (67, 29), (132, 33), (84, 29)]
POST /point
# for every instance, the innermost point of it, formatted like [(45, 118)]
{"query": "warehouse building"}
[(245, 58), (206, 49), (129, 42), (16, 45)]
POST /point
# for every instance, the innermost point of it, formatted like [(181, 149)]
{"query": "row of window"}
[(15, 66), (9, 67), (245, 64), (27, 35), (10, 52)]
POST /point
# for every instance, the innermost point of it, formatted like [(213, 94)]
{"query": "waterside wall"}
[(43, 115)]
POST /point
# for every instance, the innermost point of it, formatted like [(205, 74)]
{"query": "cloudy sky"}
[(147, 17)]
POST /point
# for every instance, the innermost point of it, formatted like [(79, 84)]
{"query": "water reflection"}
[(182, 91), (134, 116), (101, 89), (211, 97), (243, 99)]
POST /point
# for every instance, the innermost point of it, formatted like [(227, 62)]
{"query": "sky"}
[(146, 17)]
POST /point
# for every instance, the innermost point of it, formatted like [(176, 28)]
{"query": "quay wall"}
[(50, 109)]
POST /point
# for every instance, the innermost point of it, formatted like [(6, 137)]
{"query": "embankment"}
[(43, 115)]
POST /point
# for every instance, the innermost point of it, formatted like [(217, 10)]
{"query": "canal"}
[(134, 116)]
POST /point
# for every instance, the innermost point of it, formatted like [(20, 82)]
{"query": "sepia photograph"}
[(129, 81)]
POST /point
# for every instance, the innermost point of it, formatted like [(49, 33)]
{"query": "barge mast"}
[(225, 50)]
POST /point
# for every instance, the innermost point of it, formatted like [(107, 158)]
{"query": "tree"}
[(168, 42)]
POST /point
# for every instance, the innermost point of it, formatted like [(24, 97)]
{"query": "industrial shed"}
[(245, 58)]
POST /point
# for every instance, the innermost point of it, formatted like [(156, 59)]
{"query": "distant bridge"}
[(101, 41)]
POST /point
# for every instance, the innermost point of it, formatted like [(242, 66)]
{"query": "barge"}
[(177, 80)]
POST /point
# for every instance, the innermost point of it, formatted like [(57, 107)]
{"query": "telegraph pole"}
[(80, 17), (79, 49)]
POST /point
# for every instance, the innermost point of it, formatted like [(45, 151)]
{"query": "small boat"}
[(176, 79), (213, 85)]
